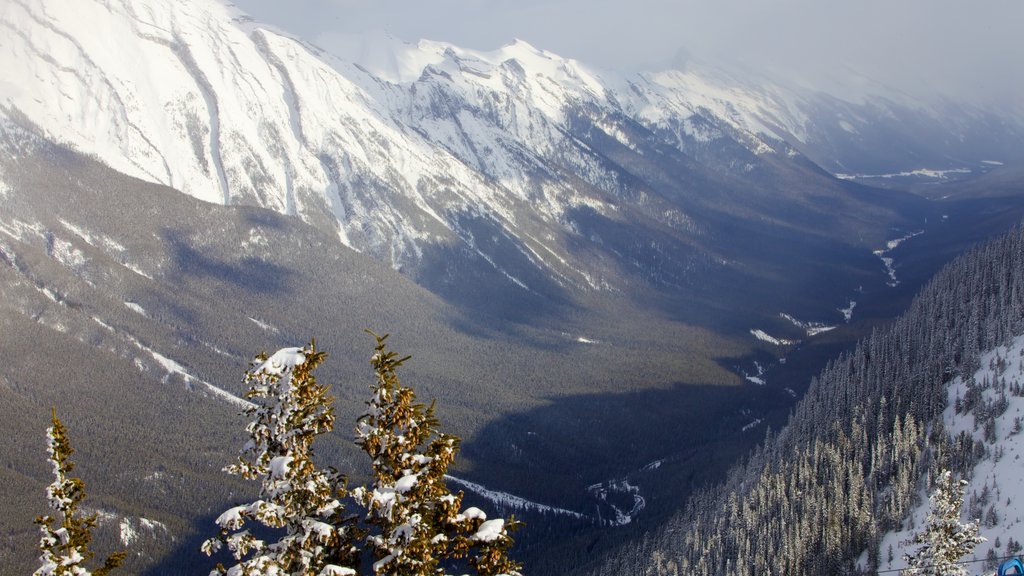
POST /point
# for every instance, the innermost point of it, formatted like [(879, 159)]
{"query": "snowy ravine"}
[(618, 502), (928, 173), (887, 260), (509, 503), (997, 482), (622, 499), (811, 328)]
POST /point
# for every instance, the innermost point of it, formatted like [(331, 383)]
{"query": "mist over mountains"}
[(594, 272), (515, 166)]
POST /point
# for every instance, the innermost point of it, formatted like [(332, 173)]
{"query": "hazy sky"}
[(964, 48)]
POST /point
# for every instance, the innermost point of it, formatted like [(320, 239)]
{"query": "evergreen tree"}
[(296, 496), (66, 534), (418, 520), (944, 539)]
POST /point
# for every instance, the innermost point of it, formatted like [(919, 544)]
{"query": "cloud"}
[(971, 50)]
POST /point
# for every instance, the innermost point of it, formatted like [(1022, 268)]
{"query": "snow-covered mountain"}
[(417, 153)]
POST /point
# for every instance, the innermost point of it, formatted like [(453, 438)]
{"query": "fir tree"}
[(296, 496), (417, 519), (66, 534), (945, 540)]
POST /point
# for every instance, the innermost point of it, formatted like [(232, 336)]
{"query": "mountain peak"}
[(522, 47)]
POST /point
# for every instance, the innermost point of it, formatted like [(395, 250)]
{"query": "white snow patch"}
[(128, 534), (264, 325), (508, 501), (848, 311), (887, 260), (931, 173), (53, 296), (279, 466), (758, 377), (137, 270), (892, 244), (256, 238), (66, 253), (335, 570), (130, 529), (751, 425), (78, 231), (135, 307), (992, 162), (172, 367), (23, 231), (281, 361), (406, 483), (152, 524), (652, 466), (474, 513), (490, 531), (811, 328), (765, 337)]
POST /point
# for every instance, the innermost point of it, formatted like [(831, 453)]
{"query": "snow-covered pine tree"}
[(66, 534), (290, 409), (945, 540), (417, 519)]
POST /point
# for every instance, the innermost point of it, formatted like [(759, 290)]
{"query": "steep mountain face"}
[(515, 168)]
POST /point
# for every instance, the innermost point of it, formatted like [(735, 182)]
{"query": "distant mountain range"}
[(428, 148), (531, 173)]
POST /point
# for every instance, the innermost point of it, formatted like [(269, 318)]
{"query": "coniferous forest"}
[(410, 524), (816, 497), (859, 446)]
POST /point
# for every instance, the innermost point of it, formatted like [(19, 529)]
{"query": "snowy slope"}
[(515, 163), (195, 95), (996, 483), (217, 108)]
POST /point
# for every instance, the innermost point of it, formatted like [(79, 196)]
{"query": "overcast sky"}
[(971, 49)]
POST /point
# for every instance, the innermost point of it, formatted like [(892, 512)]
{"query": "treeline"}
[(846, 468)]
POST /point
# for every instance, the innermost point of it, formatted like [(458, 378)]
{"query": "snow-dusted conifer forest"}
[(409, 523), (864, 449)]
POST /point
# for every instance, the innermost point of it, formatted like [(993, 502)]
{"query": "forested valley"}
[(860, 444)]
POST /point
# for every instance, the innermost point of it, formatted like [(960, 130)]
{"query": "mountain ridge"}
[(230, 111)]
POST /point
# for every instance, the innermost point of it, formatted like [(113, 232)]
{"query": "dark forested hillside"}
[(846, 467)]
